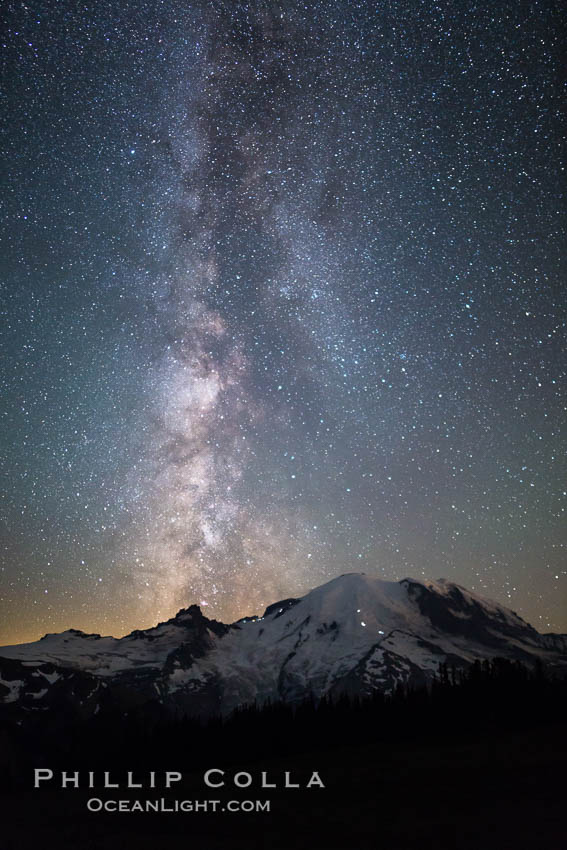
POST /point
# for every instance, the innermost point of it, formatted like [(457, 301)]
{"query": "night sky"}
[(282, 300)]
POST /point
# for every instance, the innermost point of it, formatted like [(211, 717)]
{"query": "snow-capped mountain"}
[(354, 635)]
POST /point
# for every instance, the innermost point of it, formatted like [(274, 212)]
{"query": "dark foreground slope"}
[(475, 761)]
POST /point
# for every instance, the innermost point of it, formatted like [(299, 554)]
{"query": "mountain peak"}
[(190, 613), (72, 633), (354, 634)]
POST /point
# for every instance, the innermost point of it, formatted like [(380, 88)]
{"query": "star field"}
[(282, 295)]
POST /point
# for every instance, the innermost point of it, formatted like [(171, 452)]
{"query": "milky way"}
[(282, 288)]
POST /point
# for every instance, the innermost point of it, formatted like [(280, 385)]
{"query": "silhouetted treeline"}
[(485, 696)]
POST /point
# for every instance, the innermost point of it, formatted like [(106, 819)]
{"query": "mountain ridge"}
[(353, 635)]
